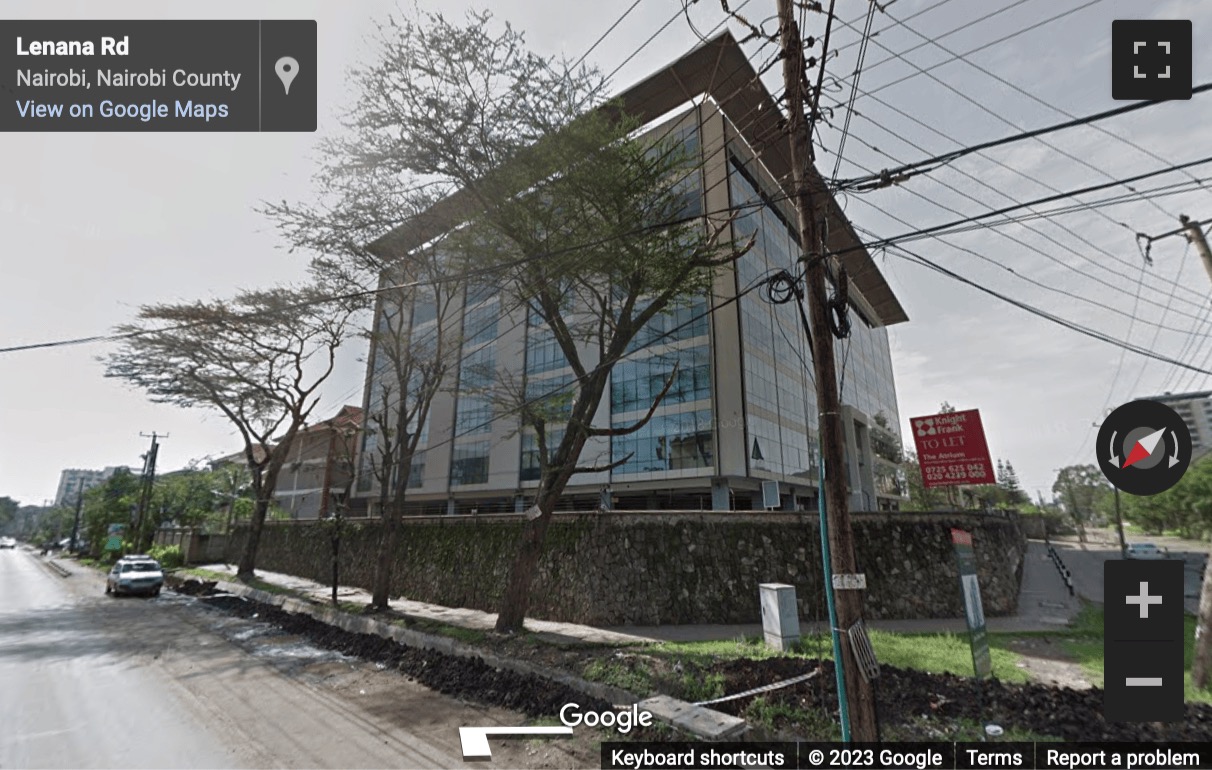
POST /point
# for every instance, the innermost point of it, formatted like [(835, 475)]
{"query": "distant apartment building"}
[(70, 482), (1196, 411), (737, 431), (319, 466)]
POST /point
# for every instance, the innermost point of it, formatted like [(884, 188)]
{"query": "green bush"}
[(169, 556)]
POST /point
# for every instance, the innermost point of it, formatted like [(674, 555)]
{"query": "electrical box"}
[(780, 615)]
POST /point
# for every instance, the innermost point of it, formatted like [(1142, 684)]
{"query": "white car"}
[(137, 574), (7, 542), (1146, 551)]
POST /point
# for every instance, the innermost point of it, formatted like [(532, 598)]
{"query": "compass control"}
[(1144, 448)]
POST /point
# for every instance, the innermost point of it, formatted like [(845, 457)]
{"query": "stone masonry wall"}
[(665, 568)]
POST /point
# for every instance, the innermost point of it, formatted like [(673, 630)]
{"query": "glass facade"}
[(474, 398), (775, 362), (771, 371), (680, 437), (780, 391)]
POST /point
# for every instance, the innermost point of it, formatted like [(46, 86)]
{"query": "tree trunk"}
[(248, 561), (1201, 666), (516, 601), (264, 484), (389, 539), (388, 542), (336, 562)]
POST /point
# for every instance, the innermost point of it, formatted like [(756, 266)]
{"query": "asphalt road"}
[(91, 681)]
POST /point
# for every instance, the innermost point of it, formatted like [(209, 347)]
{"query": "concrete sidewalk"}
[(1044, 605)]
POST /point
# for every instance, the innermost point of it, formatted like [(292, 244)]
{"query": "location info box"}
[(158, 75)]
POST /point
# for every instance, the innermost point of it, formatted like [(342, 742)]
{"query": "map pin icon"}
[(287, 68)]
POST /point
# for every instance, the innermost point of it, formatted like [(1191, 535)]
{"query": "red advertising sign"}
[(951, 449)]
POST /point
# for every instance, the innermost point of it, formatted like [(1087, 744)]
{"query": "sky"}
[(92, 226)]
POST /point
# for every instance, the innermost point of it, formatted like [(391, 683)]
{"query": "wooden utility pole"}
[(1201, 665), (147, 487), (71, 544), (807, 193)]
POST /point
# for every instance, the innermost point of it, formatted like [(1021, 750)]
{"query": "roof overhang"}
[(719, 69)]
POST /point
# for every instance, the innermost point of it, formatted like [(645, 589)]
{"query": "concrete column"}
[(721, 496)]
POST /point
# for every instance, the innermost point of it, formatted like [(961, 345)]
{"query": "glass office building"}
[(738, 427)]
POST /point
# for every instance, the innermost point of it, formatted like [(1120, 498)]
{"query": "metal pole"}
[(843, 709)]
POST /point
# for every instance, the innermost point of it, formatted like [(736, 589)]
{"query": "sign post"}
[(951, 449), (113, 539), (974, 613)]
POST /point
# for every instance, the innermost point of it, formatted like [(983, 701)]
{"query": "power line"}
[(1182, 264), (882, 243), (606, 34), (985, 46), (1039, 201), (858, 71), (999, 116), (1021, 275), (1028, 93), (1001, 192), (1094, 334), (899, 174)]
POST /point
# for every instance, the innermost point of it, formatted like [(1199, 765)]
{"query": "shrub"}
[(169, 556)]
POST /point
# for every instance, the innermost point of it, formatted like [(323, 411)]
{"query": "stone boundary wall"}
[(663, 568)]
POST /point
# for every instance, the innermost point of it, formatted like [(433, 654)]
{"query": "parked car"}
[(1146, 551), (8, 542), (137, 574)]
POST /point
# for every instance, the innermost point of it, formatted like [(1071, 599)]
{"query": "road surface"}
[(91, 681)]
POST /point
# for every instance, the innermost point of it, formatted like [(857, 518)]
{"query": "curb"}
[(59, 569), (701, 722)]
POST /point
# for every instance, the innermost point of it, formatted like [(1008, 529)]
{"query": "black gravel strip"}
[(467, 678)]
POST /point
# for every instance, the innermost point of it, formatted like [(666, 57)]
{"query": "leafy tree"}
[(187, 498), (1185, 507), (1009, 490), (112, 502), (1080, 490), (258, 359), (921, 497), (8, 512)]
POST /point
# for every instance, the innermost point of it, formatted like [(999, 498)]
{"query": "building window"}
[(416, 472), (470, 464), (669, 442), (552, 395), (480, 324), (635, 384), (530, 453), (474, 416), (543, 352)]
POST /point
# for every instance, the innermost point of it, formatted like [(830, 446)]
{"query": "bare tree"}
[(415, 333), (415, 344), (258, 359), (575, 218)]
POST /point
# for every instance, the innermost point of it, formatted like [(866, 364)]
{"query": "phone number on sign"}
[(955, 472)]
